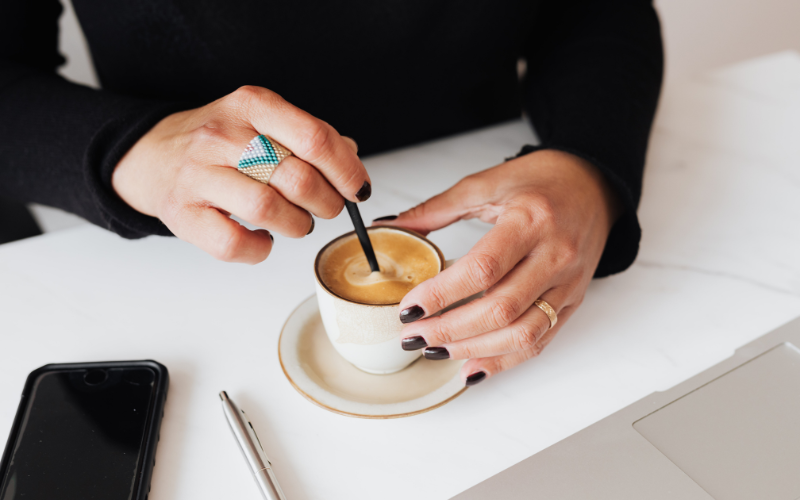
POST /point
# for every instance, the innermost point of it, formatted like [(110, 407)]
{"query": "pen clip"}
[(252, 432)]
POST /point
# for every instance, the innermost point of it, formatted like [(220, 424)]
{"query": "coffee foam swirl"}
[(358, 273), (404, 259)]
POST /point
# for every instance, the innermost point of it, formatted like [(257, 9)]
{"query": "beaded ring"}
[(261, 157)]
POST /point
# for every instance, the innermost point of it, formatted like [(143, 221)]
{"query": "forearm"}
[(61, 142), (594, 76)]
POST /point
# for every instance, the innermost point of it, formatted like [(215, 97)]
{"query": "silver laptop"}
[(730, 433)]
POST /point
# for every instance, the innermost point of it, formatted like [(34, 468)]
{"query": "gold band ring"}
[(548, 310), (261, 157)]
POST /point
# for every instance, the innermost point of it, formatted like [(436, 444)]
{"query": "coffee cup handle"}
[(461, 302)]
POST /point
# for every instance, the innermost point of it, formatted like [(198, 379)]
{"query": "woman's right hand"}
[(183, 171)]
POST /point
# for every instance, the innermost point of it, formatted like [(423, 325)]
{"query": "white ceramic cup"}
[(366, 335)]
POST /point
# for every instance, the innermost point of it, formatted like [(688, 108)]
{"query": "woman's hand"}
[(183, 171), (552, 213)]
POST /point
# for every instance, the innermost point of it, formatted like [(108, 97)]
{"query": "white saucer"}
[(320, 374)]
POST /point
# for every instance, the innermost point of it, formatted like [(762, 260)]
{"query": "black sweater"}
[(388, 73)]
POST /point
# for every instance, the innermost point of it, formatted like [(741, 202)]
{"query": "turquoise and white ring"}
[(261, 157)]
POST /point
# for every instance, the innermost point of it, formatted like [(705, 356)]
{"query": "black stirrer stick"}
[(361, 231)]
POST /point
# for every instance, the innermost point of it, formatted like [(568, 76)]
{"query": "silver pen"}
[(251, 448)]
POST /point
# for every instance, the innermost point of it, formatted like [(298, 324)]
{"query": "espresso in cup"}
[(404, 259), (359, 308)]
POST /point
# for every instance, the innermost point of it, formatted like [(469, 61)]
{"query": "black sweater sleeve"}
[(594, 71), (59, 142)]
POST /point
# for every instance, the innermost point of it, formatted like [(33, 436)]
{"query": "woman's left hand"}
[(552, 213)]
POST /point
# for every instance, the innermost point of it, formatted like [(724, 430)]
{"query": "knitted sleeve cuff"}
[(106, 149)]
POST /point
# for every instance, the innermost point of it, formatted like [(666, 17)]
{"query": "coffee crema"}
[(405, 262)]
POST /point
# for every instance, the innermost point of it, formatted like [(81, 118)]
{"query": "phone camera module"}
[(95, 377)]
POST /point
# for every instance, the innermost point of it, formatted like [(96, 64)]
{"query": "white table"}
[(719, 266)]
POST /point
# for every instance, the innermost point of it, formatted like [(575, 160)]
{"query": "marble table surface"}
[(719, 266)]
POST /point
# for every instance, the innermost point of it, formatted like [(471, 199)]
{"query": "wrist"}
[(585, 178), (131, 178)]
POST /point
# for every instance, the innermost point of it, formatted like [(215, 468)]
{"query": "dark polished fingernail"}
[(436, 353), (411, 314), (312, 226), (385, 217), (476, 378), (365, 192), (414, 343)]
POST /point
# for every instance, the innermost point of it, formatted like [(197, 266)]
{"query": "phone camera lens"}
[(95, 377)]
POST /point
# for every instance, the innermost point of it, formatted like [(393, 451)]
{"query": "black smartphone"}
[(85, 431)]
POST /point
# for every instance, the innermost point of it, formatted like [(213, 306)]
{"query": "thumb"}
[(436, 213)]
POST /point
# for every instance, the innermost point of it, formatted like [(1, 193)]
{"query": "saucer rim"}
[(342, 412)]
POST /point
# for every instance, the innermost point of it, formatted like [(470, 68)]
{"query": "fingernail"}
[(475, 378), (365, 192), (436, 353), (413, 343), (312, 226), (271, 237), (411, 314), (385, 217)]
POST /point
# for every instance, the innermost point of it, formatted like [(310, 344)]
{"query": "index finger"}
[(310, 139), (488, 261)]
